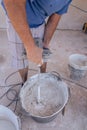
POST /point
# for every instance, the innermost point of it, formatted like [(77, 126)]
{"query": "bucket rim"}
[(75, 65)]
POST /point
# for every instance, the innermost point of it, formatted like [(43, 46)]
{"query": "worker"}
[(27, 26)]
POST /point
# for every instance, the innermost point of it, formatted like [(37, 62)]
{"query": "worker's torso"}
[(38, 10)]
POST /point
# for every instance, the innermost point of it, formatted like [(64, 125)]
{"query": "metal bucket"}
[(54, 96), (8, 120)]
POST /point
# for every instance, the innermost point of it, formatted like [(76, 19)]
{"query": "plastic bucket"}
[(54, 96), (8, 118), (77, 66)]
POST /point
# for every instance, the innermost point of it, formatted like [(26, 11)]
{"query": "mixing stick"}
[(42, 70)]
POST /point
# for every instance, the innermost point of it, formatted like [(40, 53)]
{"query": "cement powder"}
[(6, 125), (51, 98)]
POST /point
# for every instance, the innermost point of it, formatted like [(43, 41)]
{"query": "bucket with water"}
[(8, 120), (77, 66)]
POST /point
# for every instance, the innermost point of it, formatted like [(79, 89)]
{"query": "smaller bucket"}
[(8, 120), (77, 66)]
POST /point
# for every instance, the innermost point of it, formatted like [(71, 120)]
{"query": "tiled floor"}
[(64, 43)]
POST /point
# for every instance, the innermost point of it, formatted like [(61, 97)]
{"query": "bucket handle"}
[(57, 75)]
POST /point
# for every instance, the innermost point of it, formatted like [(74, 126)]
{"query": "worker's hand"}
[(35, 55)]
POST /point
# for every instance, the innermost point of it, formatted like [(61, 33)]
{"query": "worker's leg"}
[(18, 53), (38, 34)]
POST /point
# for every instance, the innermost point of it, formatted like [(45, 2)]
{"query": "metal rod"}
[(43, 67)]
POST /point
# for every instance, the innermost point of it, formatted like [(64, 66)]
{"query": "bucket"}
[(43, 96), (77, 66), (8, 120)]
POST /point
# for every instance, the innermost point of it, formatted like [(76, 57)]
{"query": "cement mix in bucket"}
[(6, 125), (51, 98)]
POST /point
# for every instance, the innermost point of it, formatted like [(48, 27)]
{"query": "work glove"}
[(46, 54)]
